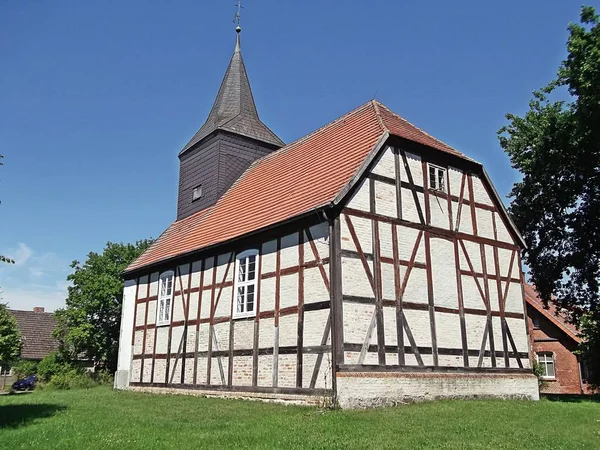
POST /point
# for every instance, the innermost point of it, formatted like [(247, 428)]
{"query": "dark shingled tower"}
[(232, 137)]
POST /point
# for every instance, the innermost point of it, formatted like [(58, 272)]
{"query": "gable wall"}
[(286, 346), (420, 272)]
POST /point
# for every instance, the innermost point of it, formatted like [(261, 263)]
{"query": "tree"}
[(10, 338), (556, 147), (90, 323)]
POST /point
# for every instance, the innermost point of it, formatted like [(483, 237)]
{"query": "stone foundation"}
[(287, 399), (374, 389)]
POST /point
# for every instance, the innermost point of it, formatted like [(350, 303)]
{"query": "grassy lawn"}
[(102, 418)]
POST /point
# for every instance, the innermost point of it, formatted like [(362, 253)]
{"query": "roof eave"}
[(552, 318), (128, 274)]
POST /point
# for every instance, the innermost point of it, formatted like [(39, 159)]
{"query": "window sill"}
[(548, 378), (163, 324), (247, 315)]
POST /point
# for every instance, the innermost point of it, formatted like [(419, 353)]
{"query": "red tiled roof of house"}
[(300, 177), (556, 317), (36, 330)]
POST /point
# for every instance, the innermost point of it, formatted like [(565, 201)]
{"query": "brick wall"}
[(550, 339)]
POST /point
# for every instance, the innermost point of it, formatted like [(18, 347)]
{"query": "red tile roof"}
[(558, 318), (300, 177)]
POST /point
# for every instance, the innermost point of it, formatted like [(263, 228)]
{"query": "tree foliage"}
[(89, 325), (556, 147), (10, 338)]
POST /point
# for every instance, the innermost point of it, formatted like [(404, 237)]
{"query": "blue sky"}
[(97, 99)]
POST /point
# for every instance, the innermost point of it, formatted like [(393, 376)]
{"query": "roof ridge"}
[(311, 134), (378, 114), (416, 127)]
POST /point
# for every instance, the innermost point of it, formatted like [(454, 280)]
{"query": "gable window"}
[(246, 277), (165, 298), (535, 318), (197, 193), (546, 362), (437, 178)]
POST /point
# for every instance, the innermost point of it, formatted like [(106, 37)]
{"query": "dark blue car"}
[(25, 384)]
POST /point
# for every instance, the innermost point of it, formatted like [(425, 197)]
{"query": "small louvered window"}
[(437, 178), (197, 193), (245, 283), (165, 299)]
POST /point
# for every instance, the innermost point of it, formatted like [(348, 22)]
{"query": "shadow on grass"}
[(15, 416), (572, 398)]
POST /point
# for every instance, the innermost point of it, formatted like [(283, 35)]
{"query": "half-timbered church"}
[(367, 263)]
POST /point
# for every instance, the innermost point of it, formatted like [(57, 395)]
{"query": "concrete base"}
[(373, 389), (121, 379)]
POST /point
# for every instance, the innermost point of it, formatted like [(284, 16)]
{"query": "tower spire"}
[(238, 29), (234, 109), (236, 19)]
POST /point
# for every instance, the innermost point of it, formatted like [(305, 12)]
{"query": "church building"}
[(367, 263)]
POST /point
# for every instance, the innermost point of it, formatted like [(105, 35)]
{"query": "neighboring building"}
[(36, 328), (554, 341), (367, 263)]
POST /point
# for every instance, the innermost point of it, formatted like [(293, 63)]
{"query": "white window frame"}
[(200, 195), (165, 299), (544, 363), (242, 258), (436, 179)]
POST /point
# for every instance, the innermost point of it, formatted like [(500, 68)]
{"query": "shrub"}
[(71, 379), (52, 365), (104, 377), (23, 368)]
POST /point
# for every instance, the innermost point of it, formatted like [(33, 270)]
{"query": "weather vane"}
[(236, 19)]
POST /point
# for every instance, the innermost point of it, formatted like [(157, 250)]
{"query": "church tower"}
[(232, 137)]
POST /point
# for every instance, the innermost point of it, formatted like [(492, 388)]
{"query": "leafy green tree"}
[(89, 325), (556, 147), (10, 338)]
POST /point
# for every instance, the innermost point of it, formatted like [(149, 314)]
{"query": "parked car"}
[(25, 384)]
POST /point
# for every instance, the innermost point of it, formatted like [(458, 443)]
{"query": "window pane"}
[(550, 369), (242, 269), (169, 285), (240, 299), (167, 308), (161, 309), (441, 179), (432, 177), (162, 287), (250, 299), (251, 268)]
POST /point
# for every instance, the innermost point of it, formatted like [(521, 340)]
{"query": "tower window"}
[(437, 178), (197, 193)]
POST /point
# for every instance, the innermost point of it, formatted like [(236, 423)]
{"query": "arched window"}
[(246, 277), (165, 298)]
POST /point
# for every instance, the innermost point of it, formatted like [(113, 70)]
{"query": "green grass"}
[(102, 418)]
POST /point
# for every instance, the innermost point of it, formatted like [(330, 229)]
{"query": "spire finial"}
[(236, 19)]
